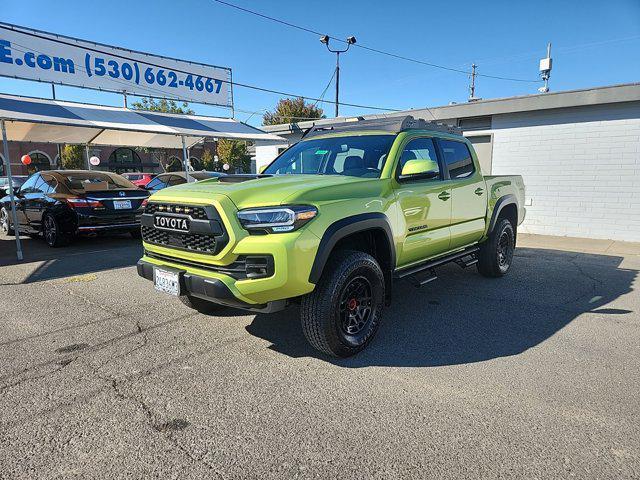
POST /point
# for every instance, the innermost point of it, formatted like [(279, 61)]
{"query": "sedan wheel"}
[(52, 234), (5, 222)]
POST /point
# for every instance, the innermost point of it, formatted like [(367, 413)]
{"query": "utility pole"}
[(53, 94), (350, 41), (472, 85)]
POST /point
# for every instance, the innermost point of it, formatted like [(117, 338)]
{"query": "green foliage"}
[(72, 157), (162, 105), (234, 152), (291, 110), (208, 162)]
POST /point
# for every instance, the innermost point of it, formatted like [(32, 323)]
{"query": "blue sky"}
[(594, 43)]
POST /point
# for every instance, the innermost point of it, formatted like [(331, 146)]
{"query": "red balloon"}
[(26, 160)]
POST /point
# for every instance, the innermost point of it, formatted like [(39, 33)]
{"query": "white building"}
[(578, 151)]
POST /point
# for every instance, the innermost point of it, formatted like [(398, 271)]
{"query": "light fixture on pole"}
[(545, 70), (350, 41)]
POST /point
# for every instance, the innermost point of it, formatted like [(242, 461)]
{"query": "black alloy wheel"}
[(355, 306), (52, 233), (505, 249)]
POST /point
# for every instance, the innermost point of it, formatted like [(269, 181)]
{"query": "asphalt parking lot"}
[(534, 375)]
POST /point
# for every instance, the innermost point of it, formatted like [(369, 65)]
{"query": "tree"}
[(234, 152), (291, 110), (72, 157), (208, 161), (162, 106)]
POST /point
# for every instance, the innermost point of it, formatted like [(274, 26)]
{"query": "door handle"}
[(444, 196), (479, 191)]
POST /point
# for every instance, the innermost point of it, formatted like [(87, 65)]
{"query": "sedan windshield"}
[(354, 156)]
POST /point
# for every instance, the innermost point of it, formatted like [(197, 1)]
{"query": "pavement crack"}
[(160, 427), (60, 365)]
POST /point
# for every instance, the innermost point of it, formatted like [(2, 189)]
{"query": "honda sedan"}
[(62, 204)]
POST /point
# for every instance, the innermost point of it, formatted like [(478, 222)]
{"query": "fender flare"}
[(345, 227), (509, 199)]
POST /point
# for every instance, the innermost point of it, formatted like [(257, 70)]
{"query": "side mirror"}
[(419, 169)]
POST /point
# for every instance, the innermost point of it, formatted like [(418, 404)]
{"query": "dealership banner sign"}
[(35, 55)]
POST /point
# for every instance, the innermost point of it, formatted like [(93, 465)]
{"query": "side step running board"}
[(419, 280), (464, 258)]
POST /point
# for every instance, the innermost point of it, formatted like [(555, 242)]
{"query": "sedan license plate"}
[(122, 204), (166, 282)]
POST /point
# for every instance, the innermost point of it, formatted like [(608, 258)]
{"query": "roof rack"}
[(387, 124)]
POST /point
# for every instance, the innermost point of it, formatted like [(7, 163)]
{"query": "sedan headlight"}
[(276, 219)]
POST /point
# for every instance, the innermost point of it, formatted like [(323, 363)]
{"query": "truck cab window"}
[(458, 158)]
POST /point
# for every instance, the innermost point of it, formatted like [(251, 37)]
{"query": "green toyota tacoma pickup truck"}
[(332, 224)]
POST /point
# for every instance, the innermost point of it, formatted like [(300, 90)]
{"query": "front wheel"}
[(5, 222), (496, 253), (342, 315)]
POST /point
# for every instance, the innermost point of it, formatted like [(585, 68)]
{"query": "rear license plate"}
[(166, 282), (122, 204)]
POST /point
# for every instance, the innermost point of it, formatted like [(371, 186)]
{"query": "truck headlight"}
[(276, 219)]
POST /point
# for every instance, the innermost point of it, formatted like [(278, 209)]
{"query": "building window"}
[(39, 161), (2, 172), (124, 160), (174, 164), (195, 163)]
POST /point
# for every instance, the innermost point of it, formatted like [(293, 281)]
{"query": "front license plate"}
[(122, 204), (166, 282)]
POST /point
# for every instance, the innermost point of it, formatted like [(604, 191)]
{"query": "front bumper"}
[(291, 254), (212, 289)]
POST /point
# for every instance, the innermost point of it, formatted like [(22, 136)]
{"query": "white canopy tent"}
[(26, 119)]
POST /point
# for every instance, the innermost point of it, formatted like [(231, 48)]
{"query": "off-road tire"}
[(496, 253), (5, 222), (201, 305), (327, 314), (52, 233)]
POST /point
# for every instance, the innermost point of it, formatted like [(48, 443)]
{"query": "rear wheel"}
[(5, 222), (342, 315), (201, 305), (496, 253), (52, 233)]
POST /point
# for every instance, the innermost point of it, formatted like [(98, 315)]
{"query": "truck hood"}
[(267, 191)]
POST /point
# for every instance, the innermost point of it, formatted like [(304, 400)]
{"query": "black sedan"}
[(62, 204)]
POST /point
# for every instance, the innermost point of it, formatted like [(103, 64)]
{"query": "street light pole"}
[(350, 41)]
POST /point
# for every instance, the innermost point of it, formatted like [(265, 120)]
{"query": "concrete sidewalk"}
[(574, 244)]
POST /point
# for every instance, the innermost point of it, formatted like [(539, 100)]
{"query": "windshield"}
[(94, 180), (356, 156)]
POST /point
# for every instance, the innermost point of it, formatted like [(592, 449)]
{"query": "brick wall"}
[(581, 167)]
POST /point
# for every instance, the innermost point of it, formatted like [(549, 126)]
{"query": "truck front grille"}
[(207, 233), (187, 241)]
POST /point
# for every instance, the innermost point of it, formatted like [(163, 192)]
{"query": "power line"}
[(237, 84), (371, 49)]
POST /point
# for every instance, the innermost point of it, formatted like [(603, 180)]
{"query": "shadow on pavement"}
[(83, 256), (464, 317)]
